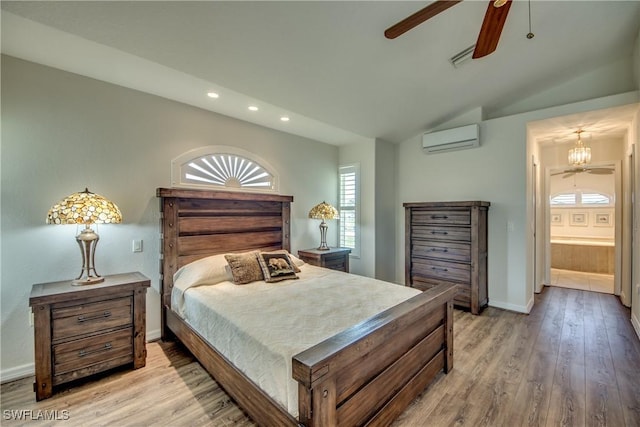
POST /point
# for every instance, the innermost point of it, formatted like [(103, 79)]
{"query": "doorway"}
[(582, 232), (610, 133)]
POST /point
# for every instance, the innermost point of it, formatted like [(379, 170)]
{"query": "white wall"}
[(385, 205), (377, 208), (634, 141), (62, 133), (499, 172), (494, 173)]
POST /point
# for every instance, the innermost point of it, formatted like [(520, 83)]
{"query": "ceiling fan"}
[(488, 38), (592, 170)]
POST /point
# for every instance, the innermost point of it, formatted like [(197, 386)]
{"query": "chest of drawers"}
[(83, 330), (447, 242)]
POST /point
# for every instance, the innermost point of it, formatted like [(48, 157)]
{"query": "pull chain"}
[(530, 35)]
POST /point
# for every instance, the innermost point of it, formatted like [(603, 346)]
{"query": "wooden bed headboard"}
[(199, 223)]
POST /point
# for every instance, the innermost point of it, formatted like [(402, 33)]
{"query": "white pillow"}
[(206, 271), (297, 261)]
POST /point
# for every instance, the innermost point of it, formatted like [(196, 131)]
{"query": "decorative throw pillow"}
[(292, 258), (276, 266), (245, 267)]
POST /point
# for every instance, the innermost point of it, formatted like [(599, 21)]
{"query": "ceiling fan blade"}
[(491, 29), (419, 17), (567, 175), (600, 171)]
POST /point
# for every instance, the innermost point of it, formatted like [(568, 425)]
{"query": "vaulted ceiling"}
[(329, 62)]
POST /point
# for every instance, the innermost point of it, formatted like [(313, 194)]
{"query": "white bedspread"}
[(260, 326)]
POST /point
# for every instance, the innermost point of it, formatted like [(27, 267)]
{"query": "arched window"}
[(225, 168), (581, 198)]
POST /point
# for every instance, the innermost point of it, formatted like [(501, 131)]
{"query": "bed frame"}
[(365, 375)]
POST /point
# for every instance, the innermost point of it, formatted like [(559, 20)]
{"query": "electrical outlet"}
[(31, 319)]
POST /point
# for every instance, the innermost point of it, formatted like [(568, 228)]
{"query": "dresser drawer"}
[(447, 251), (79, 354), (335, 262), (447, 271), (441, 217), (434, 232), (90, 318)]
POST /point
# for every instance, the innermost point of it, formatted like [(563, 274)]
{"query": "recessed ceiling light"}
[(284, 118), (212, 95), (253, 108)]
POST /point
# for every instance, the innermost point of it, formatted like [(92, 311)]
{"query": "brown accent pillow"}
[(276, 266), (245, 267)]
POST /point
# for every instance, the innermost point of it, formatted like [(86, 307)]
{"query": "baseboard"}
[(154, 335), (636, 324), (624, 300), (28, 370), (512, 307), (17, 373)]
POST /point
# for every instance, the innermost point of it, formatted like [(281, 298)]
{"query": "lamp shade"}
[(86, 208), (324, 211)]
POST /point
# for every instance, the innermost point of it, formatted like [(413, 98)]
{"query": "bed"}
[(366, 374)]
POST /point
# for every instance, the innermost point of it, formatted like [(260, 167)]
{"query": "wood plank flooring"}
[(573, 361)]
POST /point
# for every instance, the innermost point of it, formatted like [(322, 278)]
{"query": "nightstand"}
[(82, 330), (334, 258)]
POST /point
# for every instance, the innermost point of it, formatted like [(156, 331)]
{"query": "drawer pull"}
[(439, 217), (445, 250), (439, 232), (439, 269), (83, 353), (104, 315)]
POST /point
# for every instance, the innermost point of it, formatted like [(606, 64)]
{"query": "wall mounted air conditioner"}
[(451, 139)]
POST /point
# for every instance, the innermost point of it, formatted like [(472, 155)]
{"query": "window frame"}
[(578, 197), (344, 169), (180, 165)]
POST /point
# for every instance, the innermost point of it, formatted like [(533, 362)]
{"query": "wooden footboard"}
[(255, 402), (369, 373)]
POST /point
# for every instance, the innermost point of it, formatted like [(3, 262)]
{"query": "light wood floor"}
[(574, 361)]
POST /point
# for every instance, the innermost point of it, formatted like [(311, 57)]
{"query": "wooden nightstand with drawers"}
[(333, 258), (82, 330)]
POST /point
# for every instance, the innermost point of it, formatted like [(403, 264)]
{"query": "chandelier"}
[(580, 154)]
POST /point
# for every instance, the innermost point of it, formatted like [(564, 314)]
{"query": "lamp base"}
[(87, 240), (87, 281), (323, 237)]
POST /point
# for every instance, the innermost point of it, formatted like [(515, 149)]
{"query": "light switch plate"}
[(136, 246)]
